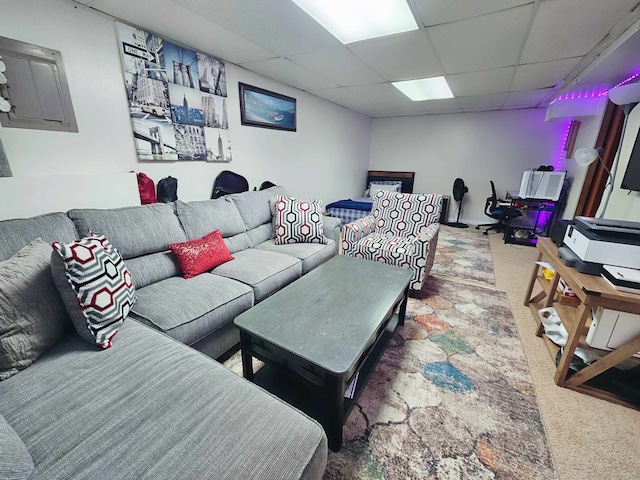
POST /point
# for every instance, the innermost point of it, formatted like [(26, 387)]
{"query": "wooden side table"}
[(592, 292)]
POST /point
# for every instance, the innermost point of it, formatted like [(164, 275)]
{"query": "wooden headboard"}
[(405, 177)]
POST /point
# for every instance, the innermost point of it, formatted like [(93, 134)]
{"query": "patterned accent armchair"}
[(402, 230)]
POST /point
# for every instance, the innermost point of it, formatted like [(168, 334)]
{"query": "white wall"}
[(476, 147), (625, 205), (326, 158)]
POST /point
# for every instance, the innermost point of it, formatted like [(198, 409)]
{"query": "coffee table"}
[(321, 332)]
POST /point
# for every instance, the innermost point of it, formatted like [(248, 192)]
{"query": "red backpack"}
[(147, 189)]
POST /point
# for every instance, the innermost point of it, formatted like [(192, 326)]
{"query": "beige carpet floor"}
[(589, 438)]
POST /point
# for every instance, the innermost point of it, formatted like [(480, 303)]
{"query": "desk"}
[(591, 292), (546, 212)]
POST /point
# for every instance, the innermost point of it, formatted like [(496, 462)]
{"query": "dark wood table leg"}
[(403, 307), (247, 365), (335, 412)]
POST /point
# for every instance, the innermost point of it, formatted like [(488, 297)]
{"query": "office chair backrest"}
[(229, 182), (493, 199)]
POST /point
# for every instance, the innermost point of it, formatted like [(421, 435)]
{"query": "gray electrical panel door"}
[(36, 88)]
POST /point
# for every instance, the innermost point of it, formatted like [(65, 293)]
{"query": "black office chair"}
[(503, 214), (229, 182)]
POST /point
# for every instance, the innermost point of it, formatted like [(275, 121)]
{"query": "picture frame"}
[(265, 109)]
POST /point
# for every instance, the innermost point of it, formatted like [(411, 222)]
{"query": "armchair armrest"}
[(426, 243), (429, 233), (355, 231)]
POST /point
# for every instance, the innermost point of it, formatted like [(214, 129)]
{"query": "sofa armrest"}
[(355, 231), (332, 227)]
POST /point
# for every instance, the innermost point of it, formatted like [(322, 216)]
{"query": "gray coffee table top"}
[(331, 315)]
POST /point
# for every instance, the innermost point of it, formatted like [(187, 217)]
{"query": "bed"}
[(352, 209)]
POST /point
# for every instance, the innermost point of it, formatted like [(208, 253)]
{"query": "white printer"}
[(596, 242)]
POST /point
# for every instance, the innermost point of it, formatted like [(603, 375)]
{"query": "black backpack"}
[(167, 190)]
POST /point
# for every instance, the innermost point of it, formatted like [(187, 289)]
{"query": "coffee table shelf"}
[(310, 399)]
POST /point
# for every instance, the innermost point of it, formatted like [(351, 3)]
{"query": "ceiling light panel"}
[(354, 20), (425, 88)]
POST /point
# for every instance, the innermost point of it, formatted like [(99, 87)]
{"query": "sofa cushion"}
[(189, 310), (265, 272), (15, 462), (32, 316), (152, 268), (20, 232), (254, 206), (297, 221), (260, 234), (152, 408), (311, 254), (200, 218), (95, 286), (200, 255), (242, 241), (134, 231)]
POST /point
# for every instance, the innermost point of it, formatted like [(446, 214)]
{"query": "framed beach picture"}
[(262, 108)]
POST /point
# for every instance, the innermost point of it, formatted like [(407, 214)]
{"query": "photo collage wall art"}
[(177, 99)]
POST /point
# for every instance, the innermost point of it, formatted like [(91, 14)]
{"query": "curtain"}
[(597, 177)]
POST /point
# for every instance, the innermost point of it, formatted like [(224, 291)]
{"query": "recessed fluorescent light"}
[(425, 88), (354, 20)]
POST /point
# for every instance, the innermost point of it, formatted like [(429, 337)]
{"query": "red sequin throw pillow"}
[(199, 256)]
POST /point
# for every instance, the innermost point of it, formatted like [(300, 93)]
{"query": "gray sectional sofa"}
[(155, 405)]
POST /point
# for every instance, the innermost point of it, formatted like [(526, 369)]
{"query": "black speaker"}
[(558, 229)]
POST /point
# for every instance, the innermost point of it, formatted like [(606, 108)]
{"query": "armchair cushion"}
[(407, 252), (405, 214)]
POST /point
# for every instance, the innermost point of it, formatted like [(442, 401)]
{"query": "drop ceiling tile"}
[(449, 105), (379, 93), (481, 83), (405, 56), (279, 26), (338, 65), (289, 73), (201, 34), (434, 12), (529, 98), (542, 75), (339, 95), (483, 102), (570, 28), (481, 43), (619, 65)]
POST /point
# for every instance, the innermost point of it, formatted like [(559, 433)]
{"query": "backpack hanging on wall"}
[(168, 190), (147, 189)]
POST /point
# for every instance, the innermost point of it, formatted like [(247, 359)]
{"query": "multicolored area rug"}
[(451, 397), (464, 253)]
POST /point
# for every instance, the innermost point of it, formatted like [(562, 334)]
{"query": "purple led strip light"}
[(563, 147), (594, 93)]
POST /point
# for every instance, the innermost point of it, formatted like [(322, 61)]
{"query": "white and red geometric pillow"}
[(101, 286), (298, 221)]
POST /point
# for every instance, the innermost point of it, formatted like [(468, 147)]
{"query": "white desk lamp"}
[(628, 96)]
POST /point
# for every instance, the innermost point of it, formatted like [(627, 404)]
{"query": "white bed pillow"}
[(375, 188), (392, 183)]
